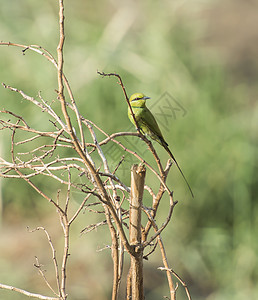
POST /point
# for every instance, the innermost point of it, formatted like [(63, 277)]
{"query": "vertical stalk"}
[(137, 187), (114, 252), (66, 228)]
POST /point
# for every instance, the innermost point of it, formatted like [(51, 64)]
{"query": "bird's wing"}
[(149, 121)]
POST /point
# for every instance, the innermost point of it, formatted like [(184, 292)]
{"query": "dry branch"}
[(47, 159), (26, 293)]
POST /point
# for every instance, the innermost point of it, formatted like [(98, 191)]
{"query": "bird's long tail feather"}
[(172, 156)]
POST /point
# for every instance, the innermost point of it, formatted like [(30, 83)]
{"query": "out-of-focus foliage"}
[(200, 53)]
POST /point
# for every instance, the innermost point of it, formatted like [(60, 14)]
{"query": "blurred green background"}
[(201, 53)]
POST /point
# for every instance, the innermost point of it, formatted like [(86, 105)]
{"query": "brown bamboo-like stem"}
[(137, 188), (129, 285)]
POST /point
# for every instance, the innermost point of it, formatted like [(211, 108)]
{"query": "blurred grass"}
[(187, 50)]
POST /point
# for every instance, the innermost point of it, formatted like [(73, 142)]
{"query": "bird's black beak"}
[(145, 98)]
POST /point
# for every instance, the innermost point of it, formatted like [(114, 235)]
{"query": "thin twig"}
[(26, 293), (163, 226), (54, 260), (179, 278), (42, 273)]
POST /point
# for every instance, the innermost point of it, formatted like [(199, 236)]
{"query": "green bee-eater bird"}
[(148, 125)]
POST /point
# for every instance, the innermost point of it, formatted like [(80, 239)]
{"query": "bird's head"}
[(138, 99)]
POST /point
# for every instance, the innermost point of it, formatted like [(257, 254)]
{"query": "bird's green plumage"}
[(148, 125)]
